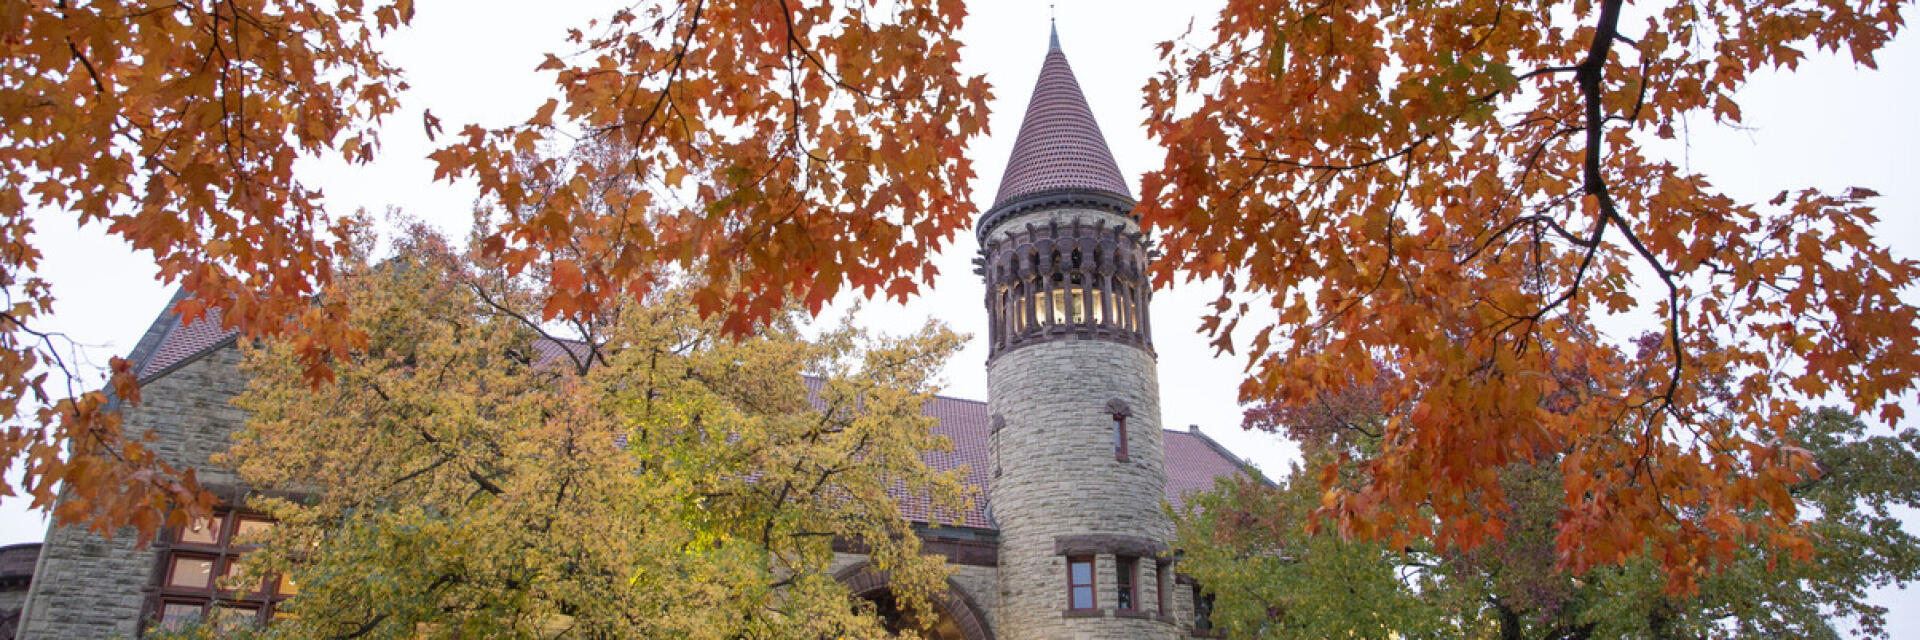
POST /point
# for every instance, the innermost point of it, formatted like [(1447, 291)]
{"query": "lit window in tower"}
[(1042, 303), (1099, 301), (1068, 301), (1062, 301), (1019, 304)]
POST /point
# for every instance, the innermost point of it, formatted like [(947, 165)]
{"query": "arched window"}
[(1016, 309), (1009, 317), (1042, 309), (1098, 307)]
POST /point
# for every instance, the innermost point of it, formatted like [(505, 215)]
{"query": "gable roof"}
[(168, 343), (1192, 459)]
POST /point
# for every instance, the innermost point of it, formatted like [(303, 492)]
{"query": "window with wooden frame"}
[(1126, 580), (1080, 584), (197, 569)]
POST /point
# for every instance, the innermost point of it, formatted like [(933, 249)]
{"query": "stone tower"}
[(1076, 445)]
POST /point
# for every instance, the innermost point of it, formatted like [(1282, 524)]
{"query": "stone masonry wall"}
[(1056, 475), (88, 586), (11, 599)]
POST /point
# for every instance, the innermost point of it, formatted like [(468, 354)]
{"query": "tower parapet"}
[(1082, 279)]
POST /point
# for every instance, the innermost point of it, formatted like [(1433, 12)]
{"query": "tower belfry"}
[(1076, 447)]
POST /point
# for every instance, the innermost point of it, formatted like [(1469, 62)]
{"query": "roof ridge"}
[(938, 396), (1245, 464)]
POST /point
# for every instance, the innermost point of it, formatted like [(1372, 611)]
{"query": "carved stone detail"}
[(1053, 199)]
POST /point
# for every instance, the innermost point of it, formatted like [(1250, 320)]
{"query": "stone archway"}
[(959, 618)]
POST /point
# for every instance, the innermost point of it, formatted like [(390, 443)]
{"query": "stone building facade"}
[(1071, 542)]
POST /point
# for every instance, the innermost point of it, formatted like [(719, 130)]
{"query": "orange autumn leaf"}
[(566, 276)]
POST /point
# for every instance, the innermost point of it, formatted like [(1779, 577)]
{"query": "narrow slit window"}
[(1021, 309), (1119, 436), (1160, 584)]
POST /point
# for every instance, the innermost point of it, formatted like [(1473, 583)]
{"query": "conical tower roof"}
[(1060, 148)]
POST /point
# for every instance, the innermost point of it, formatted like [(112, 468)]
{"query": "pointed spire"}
[(1054, 42), (1059, 146)]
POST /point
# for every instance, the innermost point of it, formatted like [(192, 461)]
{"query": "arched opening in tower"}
[(898, 620)]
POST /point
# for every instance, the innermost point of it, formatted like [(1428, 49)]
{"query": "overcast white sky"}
[(1830, 125)]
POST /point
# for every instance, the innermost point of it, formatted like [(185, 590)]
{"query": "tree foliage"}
[(787, 151), (808, 147), (176, 127), (1445, 200), (472, 473), (1247, 543)]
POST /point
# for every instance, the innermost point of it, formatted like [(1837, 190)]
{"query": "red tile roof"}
[(1059, 146), (183, 341), (1193, 461), (964, 422)]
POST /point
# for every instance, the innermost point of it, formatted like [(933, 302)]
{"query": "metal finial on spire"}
[(1053, 24)]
